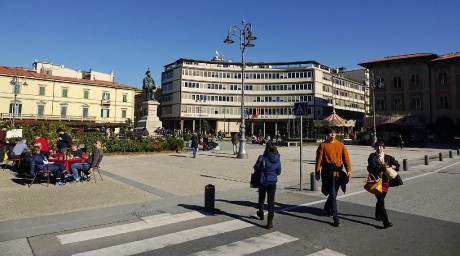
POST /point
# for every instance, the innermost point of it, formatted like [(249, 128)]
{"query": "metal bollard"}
[(458, 152), (313, 184), (427, 161), (209, 197), (440, 156), (404, 164), (450, 154)]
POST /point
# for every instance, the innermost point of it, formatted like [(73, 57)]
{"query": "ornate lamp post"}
[(244, 33), (373, 86), (200, 100), (16, 90)]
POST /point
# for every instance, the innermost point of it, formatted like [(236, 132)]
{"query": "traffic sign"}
[(300, 108)]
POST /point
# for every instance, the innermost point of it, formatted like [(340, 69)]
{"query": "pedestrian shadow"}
[(217, 211), (178, 156), (358, 221)]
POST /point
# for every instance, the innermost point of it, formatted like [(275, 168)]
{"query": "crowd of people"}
[(41, 156)]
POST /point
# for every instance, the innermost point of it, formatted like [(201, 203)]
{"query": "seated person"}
[(90, 162), (75, 151), (19, 148), (39, 162)]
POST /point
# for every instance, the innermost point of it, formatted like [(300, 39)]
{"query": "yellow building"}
[(50, 92)]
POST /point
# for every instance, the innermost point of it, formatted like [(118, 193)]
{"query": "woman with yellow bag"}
[(378, 163)]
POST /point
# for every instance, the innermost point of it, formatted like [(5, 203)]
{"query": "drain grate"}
[(146, 212)]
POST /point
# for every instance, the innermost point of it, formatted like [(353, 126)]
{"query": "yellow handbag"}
[(373, 185)]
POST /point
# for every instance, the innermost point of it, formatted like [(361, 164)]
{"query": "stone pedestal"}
[(150, 119)]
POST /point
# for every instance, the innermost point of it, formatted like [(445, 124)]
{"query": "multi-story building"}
[(197, 90), (419, 91), (52, 92)]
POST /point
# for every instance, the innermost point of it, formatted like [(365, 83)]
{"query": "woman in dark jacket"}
[(377, 163), (271, 157)]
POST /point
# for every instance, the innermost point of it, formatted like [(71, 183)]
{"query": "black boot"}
[(260, 213)]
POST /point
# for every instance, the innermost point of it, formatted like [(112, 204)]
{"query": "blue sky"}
[(130, 36)]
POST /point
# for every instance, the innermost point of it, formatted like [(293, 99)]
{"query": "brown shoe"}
[(260, 214), (270, 222)]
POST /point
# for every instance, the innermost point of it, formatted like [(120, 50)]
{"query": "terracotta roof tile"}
[(399, 57), (448, 56), (32, 74)]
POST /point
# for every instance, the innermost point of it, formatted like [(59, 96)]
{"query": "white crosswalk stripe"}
[(250, 245), (148, 222), (169, 239), (326, 252)]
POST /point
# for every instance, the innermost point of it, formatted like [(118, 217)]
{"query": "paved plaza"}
[(138, 185)]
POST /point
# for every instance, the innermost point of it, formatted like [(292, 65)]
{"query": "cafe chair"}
[(13, 161), (41, 172), (97, 168)]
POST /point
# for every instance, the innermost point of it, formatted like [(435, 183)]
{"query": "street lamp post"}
[(16, 89), (373, 86), (200, 101), (244, 33)]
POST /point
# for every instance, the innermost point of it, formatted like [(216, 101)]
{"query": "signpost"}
[(300, 110)]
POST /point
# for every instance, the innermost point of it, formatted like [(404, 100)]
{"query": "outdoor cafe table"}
[(68, 162)]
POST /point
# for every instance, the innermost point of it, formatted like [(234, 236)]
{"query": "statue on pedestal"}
[(149, 87)]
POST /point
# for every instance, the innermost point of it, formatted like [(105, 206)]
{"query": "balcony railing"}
[(47, 117)]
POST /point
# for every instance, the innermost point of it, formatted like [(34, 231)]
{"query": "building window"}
[(105, 113), (397, 104), (40, 110), (85, 111), (63, 111), (415, 80), (379, 104), (125, 97), (65, 92), (105, 96), (85, 94), (123, 113), (442, 78), (416, 103), (443, 102), (41, 91), (397, 82), (15, 109)]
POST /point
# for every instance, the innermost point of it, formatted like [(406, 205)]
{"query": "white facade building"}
[(194, 90)]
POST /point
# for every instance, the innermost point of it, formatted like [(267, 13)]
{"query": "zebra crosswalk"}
[(154, 245)]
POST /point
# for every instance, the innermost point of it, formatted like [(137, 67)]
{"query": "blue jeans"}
[(78, 166), (331, 202), (194, 151), (56, 168)]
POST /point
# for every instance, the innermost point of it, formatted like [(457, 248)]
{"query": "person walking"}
[(235, 141), (194, 143), (270, 160), (3, 141), (378, 162), (331, 157), (400, 141)]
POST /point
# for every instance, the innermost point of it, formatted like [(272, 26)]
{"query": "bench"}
[(291, 143)]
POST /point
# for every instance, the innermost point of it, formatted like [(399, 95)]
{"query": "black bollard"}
[(209, 197), (313, 184), (404, 164), (450, 154), (458, 152), (427, 161), (440, 156)]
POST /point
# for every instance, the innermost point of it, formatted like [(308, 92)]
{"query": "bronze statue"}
[(149, 87)]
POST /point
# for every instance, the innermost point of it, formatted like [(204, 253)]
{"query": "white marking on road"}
[(361, 191), (149, 222), (250, 245), (326, 252), (155, 243)]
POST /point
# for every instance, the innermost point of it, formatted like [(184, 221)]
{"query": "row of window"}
[(16, 109), (247, 75), (413, 81), (65, 93), (415, 103), (250, 112), (236, 87)]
